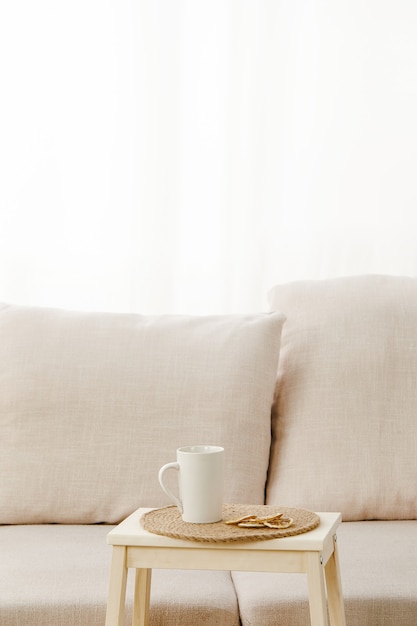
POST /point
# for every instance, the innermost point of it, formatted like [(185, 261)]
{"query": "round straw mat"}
[(167, 521)]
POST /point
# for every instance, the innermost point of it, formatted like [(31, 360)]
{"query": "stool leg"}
[(316, 590), (115, 615), (334, 588), (142, 597)]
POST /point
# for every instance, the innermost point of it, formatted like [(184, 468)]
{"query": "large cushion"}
[(378, 562), (58, 574), (345, 415), (92, 404)]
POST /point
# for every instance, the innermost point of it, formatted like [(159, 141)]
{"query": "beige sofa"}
[(91, 405)]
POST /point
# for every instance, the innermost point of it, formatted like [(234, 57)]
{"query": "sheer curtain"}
[(167, 156)]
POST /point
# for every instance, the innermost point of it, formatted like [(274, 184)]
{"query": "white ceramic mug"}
[(200, 478)]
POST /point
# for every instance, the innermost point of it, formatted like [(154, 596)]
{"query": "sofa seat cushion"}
[(58, 575), (344, 420), (93, 404), (378, 562)]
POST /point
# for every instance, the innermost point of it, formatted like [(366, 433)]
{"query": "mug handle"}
[(163, 469)]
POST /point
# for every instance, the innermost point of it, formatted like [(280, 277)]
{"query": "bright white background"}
[(168, 156)]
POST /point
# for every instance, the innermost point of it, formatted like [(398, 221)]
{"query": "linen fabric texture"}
[(93, 404), (59, 575), (345, 411), (378, 580)]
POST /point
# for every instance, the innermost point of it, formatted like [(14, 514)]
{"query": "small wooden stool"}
[(313, 553)]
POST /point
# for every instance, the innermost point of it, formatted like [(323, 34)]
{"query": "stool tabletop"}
[(130, 532)]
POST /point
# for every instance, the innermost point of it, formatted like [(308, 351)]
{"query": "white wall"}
[(164, 156)]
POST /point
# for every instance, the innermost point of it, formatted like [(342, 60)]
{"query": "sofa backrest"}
[(93, 404), (345, 413)]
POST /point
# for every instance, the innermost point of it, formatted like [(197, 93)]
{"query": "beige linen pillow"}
[(345, 415), (92, 404)]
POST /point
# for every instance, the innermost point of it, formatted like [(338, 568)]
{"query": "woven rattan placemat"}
[(167, 521)]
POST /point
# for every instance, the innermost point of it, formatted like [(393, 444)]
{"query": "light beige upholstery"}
[(92, 405), (57, 575), (344, 422), (379, 574)]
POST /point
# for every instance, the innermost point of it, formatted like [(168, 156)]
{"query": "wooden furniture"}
[(313, 553)]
